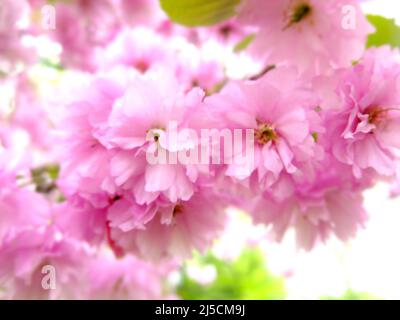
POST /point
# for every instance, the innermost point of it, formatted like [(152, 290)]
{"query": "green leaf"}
[(193, 13), (352, 295), (315, 136), (50, 64), (44, 177), (244, 43), (245, 278), (387, 32)]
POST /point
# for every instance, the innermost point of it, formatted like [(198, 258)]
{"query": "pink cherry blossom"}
[(141, 48), (86, 176), (126, 138), (332, 204), (12, 49), (169, 231), (31, 239), (282, 114), (27, 113), (298, 32), (152, 111), (229, 32), (26, 252), (139, 12), (364, 119), (16, 202), (82, 26), (84, 224), (126, 278), (111, 169), (144, 49), (314, 217)]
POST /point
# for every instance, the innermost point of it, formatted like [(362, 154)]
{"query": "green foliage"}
[(192, 13), (45, 177), (51, 64), (245, 278), (352, 295), (243, 44), (387, 32)]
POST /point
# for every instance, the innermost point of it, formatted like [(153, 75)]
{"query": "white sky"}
[(387, 8)]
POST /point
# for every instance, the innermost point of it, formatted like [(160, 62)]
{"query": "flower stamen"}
[(178, 209), (377, 115), (265, 133), (298, 14)]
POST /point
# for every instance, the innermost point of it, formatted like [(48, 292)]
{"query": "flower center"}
[(154, 134), (377, 115), (265, 133), (226, 30), (142, 66), (178, 209), (300, 12)]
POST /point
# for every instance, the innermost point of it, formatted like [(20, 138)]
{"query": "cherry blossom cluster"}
[(79, 196)]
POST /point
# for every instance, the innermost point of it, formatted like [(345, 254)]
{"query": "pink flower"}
[(140, 48), (126, 278), (104, 155), (85, 172), (145, 49), (168, 127), (12, 50), (81, 26), (330, 205), (282, 114), (24, 255), (153, 102), (311, 34), (229, 32), (28, 114), (84, 224), (194, 69), (364, 119), (105, 165), (169, 231), (16, 209), (37, 234), (139, 12), (32, 238)]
